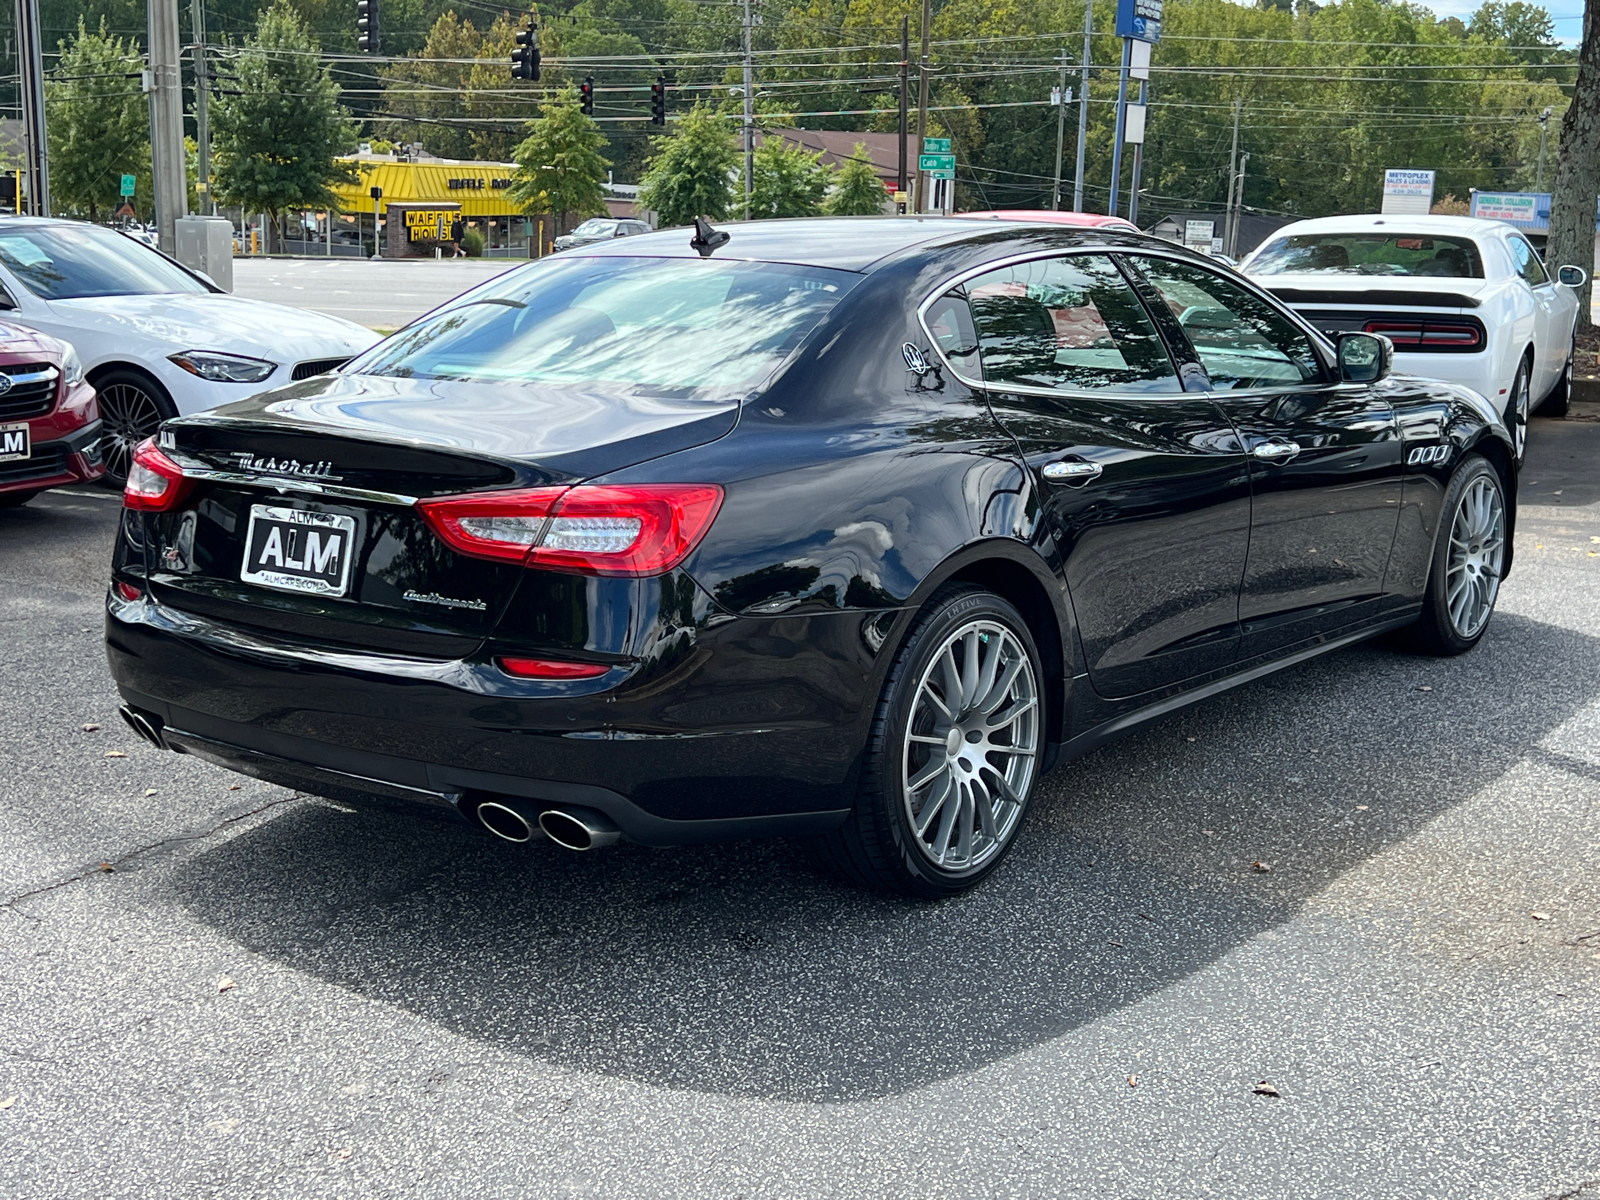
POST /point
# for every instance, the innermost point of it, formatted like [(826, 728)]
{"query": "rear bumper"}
[(441, 734)]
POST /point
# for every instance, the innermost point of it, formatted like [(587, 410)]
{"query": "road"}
[(381, 294), (268, 995)]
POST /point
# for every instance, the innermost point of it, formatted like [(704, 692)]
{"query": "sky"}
[(1567, 15)]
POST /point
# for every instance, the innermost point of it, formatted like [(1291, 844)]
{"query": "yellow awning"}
[(480, 188)]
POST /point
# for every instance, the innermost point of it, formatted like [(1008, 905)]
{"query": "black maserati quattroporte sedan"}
[(842, 529)]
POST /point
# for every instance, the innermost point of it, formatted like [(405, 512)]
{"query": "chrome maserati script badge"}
[(446, 601), (283, 466)]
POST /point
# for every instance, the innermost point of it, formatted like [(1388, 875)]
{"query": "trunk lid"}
[(339, 460)]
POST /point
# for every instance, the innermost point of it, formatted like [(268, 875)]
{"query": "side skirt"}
[(1108, 731)]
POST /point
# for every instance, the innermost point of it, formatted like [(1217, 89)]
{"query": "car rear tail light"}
[(1429, 335), (550, 668), (127, 591), (155, 482), (628, 530)]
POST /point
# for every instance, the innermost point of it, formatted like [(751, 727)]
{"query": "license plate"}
[(14, 442), (298, 551)]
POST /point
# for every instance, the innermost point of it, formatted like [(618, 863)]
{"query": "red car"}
[(1048, 216), (49, 421)]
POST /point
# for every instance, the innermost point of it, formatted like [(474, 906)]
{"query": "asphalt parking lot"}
[(209, 986), (380, 294)]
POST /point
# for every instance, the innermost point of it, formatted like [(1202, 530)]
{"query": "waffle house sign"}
[(430, 224)]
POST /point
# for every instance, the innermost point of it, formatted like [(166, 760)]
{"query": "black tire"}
[(132, 407), (1560, 397), (17, 499), (987, 784), (1519, 404), (1437, 630)]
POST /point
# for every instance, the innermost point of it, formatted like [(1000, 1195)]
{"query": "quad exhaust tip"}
[(578, 828), (149, 728)]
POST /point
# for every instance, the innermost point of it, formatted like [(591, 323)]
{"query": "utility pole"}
[(1062, 101), (905, 66), (1083, 107), (1237, 217), (1122, 126), (1233, 167), (1544, 137), (202, 107), (919, 197), (749, 113), (1138, 155), (30, 79), (166, 123)]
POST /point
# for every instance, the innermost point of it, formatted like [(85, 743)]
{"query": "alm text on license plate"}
[(298, 551), (14, 442)]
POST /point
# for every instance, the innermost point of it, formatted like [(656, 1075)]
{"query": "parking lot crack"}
[(110, 865), (1589, 1188)]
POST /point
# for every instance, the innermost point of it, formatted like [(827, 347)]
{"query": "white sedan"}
[(1463, 300), (155, 339)]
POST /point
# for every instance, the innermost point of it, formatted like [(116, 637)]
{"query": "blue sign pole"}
[(1122, 126)]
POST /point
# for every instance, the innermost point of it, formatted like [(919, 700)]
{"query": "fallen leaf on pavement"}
[(1540, 916), (233, 787), (1188, 739), (91, 727), (150, 791), (1264, 868), (9, 1101), (1361, 808), (1427, 687), (115, 754), (1263, 1088), (106, 867), (346, 1152), (1209, 832), (1133, 1081), (225, 984)]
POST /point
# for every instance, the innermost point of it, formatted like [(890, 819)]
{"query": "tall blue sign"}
[(1139, 19)]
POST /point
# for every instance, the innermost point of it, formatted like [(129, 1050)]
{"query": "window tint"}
[(1242, 341), (1369, 254), (1528, 264), (950, 321), (1070, 323), (65, 262)]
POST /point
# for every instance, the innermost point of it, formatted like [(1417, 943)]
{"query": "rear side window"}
[(1243, 342), (1528, 264), (1071, 323)]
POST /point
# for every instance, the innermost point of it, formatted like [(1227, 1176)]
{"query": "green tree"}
[(433, 88), (276, 144), (1578, 166), (559, 164), (856, 189), (786, 181), (692, 171), (99, 122)]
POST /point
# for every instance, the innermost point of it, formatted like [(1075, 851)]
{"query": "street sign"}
[(1197, 233), (127, 185), (936, 162), (935, 145), (1139, 19), (942, 173)]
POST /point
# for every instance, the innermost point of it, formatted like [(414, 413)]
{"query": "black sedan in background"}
[(841, 529)]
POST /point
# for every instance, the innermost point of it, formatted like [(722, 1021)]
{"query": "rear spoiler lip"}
[(1383, 299)]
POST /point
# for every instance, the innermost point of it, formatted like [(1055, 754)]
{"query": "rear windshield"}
[(685, 328), (1370, 254), (68, 262)]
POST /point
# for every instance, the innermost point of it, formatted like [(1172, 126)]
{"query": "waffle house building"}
[(429, 197)]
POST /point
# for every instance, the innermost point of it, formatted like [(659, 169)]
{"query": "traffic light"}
[(658, 101), (525, 58), (367, 26), (586, 96)]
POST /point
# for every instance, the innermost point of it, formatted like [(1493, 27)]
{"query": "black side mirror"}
[(1364, 357), (1572, 277)]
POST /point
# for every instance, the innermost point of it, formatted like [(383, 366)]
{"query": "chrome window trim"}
[(1027, 389), (307, 486)]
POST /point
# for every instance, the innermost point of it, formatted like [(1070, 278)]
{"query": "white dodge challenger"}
[(1463, 300)]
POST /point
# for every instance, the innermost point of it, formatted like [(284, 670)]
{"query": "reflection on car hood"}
[(589, 429), (217, 321)]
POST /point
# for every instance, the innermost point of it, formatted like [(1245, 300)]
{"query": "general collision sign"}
[(1139, 19)]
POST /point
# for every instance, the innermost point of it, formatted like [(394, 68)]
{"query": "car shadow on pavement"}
[(735, 970)]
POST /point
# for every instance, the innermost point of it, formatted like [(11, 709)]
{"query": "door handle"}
[(1277, 450), (1071, 471)]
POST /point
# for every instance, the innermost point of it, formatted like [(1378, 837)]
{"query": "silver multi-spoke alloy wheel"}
[(1517, 410), (129, 414), (970, 747), (1475, 557)]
